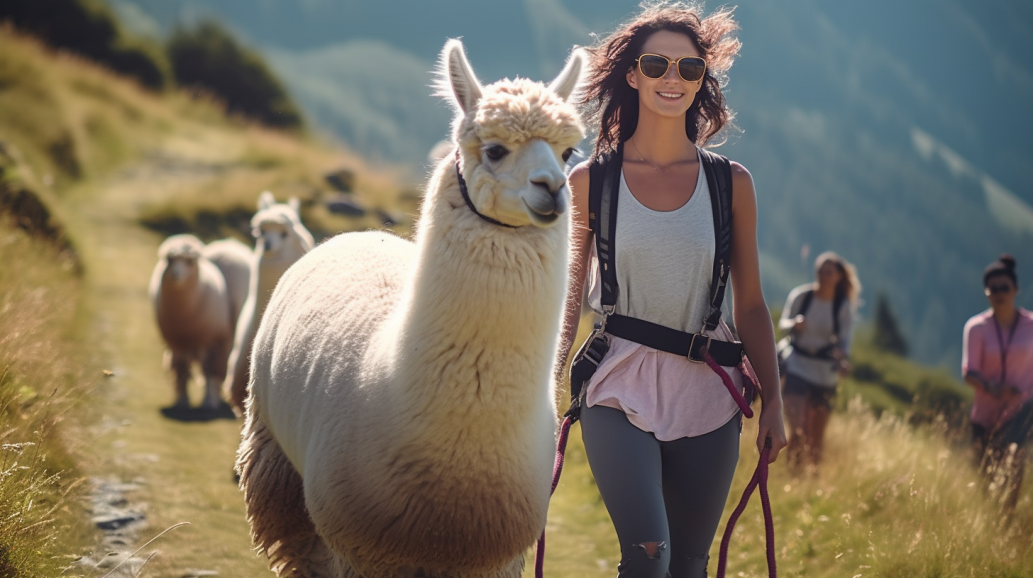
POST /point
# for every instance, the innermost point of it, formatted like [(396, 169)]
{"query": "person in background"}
[(819, 318), (997, 361)]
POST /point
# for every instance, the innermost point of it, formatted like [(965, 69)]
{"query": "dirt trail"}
[(166, 471)]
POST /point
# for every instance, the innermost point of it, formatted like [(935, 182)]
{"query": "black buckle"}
[(693, 350)]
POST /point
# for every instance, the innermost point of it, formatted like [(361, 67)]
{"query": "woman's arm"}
[(972, 360), (788, 321), (580, 240), (752, 318)]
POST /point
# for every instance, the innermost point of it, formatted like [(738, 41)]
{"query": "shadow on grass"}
[(198, 414)]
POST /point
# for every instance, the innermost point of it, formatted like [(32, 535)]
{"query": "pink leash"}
[(760, 479)]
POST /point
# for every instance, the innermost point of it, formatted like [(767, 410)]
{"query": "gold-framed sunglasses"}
[(690, 68)]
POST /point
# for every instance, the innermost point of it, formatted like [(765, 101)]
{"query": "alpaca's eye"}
[(283, 235), (568, 153), (496, 152)]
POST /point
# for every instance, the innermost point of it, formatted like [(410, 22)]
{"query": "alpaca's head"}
[(181, 254), (514, 137), (278, 230)]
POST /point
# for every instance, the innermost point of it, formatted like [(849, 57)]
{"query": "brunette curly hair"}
[(612, 103)]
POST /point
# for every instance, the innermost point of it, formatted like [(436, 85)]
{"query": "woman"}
[(662, 432), (819, 318), (997, 361)]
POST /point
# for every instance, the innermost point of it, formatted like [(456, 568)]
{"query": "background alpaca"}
[(235, 262), (280, 240), (195, 310), (407, 426)]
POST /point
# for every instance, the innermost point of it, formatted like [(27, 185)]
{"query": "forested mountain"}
[(892, 131)]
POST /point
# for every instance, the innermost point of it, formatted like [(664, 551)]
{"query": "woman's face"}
[(669, 96), (1000, 291), (828, 274)]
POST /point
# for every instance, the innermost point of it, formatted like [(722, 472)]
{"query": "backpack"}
[(788, 344), (604, 182)]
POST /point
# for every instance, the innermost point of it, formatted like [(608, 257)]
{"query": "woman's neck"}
[(662, 140), (825, 292), (1006, 314)]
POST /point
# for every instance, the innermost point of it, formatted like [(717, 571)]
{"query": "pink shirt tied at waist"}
[(663, 393), (981, 352)]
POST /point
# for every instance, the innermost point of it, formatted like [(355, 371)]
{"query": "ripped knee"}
[(652, 550)]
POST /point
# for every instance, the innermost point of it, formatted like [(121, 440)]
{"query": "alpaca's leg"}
[(180, 365), (236, 390), (275, 503), (214, 365)]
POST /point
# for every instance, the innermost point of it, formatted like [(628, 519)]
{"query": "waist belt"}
[(823, 353), (725, 353)]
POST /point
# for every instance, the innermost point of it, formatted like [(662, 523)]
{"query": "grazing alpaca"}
[(280, 240), (195, 310), (401, 420)]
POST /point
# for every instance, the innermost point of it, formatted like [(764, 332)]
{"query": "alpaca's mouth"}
[(542, 218)]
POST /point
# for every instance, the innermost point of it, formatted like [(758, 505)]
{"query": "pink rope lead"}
[(557, 469), (727, 380), (760, 478)]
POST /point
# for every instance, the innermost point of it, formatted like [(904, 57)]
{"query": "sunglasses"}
[(690, 68), (994, 289)]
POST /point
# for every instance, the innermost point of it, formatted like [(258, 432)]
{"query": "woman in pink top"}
[(997, 360)]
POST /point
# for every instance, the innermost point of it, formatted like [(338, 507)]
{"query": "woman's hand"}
[(799, 323), (771, 425)]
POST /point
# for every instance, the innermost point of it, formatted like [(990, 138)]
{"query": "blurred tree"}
[(208, 57), (888, 336), (89, 28)]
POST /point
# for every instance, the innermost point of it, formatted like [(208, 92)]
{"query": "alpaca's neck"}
[(480, 315)]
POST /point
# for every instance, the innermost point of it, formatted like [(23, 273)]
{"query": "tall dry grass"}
[(41, 383)]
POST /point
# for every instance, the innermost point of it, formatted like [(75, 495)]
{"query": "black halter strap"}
[(469, 203)]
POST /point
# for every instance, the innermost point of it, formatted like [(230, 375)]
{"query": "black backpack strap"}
[(806, 303), (604, 182), (719, 180), (837, 303)]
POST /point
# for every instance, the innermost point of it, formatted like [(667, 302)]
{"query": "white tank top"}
[(664, 263)]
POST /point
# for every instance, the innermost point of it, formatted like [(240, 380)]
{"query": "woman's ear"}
[(632, 78)]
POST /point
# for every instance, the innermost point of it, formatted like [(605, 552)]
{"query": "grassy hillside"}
[(105, 158), (897, 497)]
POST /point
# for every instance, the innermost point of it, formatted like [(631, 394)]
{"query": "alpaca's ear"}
[(459, 75), (266, 200), (295, 204), (570, 76)]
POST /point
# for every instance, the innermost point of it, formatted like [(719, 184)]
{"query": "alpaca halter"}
[(469, 203)]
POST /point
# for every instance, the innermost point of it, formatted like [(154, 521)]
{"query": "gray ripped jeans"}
[(665, 498)]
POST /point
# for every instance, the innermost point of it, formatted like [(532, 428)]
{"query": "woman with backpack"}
[(653, 236), (997, 361), (819, 318)]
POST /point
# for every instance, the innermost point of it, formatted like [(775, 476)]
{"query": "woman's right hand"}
[(799, 323)]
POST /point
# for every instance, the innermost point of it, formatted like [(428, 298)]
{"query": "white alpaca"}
[(401, 419), (235, 261), (280, 240), (195, 309)]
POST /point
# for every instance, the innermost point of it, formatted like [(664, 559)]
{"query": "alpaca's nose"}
[(551, 183)]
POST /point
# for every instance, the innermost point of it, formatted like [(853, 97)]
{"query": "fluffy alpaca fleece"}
[(401, 420), (280, 240), (195, 311), (235, 262)]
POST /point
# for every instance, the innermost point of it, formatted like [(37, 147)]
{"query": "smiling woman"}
[(661, 431)]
